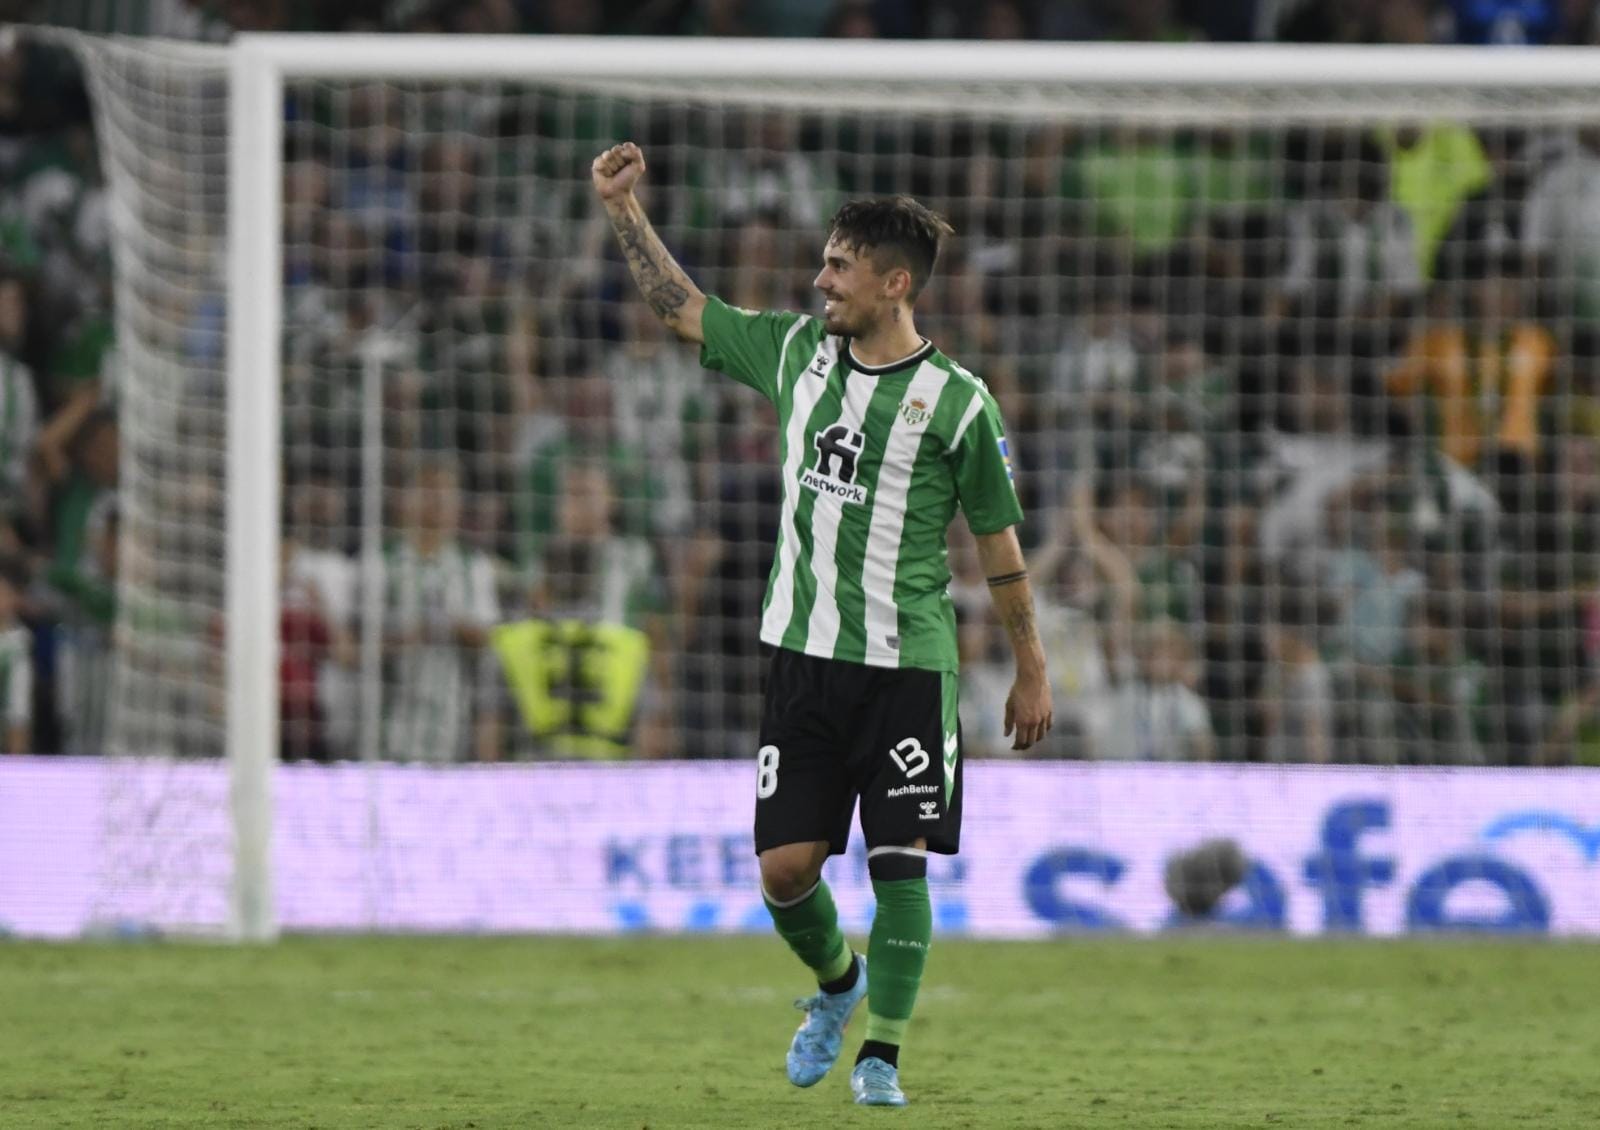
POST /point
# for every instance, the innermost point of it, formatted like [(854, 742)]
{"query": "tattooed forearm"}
[(1020, 624), (663, 283), (1014, 603), (1007, 573), (667, 299)]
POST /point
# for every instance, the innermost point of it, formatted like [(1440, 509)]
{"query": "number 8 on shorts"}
[(766, 771)]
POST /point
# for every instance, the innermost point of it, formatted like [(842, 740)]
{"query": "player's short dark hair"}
[(893, 231)]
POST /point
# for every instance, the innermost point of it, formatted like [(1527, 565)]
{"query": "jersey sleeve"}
[(984, 483), (745, 344)]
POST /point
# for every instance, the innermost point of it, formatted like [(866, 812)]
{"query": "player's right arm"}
[(670, 292)]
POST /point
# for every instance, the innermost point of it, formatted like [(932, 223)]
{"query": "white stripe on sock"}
[(772, 902), (919, 853)]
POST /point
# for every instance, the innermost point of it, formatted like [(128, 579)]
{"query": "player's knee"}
[(787, 873), (893, 862), (783, 884)]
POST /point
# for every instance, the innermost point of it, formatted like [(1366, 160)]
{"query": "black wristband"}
[(1008, 579)]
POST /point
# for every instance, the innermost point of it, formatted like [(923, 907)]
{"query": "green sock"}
[(811, 927), (902, 930)]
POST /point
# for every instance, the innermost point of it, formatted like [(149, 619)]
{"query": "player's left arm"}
[(1028, 708), (982, 465)]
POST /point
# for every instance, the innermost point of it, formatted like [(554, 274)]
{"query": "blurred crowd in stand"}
[(1306, 419)]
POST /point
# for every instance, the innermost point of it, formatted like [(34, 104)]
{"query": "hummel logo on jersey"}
[(930, 810), (819, 367), (910, 757), (838, 449)]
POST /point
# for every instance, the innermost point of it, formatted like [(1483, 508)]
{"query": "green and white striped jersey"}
[(875, 462)]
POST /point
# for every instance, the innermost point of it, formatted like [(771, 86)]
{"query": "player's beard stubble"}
[(843, 322)]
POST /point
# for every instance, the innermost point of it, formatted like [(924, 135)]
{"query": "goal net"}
[(1301, 384)]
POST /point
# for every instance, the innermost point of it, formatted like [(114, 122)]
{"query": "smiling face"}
[(845, 282), (880, 253), (856, 298)]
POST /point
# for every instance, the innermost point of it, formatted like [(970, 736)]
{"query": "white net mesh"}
[(162, 118), (1300, 383), (1301, 386), (150, 689)]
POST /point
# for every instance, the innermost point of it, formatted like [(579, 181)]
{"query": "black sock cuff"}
[(847, 982), (889, 1053)]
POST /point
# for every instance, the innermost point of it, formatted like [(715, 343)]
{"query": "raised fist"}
[(617, 170)]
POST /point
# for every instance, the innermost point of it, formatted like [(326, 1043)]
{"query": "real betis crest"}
[(915, 411)]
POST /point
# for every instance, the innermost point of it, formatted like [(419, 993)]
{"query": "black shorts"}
[(832, 731)]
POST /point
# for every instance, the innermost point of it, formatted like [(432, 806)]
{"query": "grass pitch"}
[(658, 1033)]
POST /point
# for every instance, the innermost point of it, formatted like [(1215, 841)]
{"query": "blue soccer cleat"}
[(817, 1042), (876, 1083)]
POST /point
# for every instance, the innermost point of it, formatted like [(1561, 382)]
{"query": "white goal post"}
[(1158, 84)]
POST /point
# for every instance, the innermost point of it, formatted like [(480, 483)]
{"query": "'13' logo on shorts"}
[(910, 757)]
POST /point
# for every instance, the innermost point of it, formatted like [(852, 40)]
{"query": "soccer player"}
[(883, 439)]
